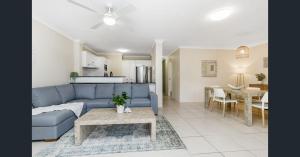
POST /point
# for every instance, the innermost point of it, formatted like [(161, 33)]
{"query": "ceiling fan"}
[(110, 17)]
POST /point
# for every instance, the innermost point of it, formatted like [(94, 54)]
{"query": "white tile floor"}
[(205, 134)]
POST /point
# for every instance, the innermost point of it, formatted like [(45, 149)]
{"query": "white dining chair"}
[(263, 105), (219, 96), (210, 97)]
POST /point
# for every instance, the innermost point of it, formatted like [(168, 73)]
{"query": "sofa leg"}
[(51, 140)]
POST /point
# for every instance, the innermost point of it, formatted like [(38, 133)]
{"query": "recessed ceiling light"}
[(122, 50), (220, 14)]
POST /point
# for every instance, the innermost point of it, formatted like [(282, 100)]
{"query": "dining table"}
[(246, 93)]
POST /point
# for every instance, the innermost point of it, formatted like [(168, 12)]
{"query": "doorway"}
[(170, 81)]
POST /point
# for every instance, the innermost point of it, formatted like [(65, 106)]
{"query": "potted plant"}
[(73, 76), (260, 77), (120, 101)]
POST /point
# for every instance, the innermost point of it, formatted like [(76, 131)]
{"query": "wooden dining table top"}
[(243, 92)]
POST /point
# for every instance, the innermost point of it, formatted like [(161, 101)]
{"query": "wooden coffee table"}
[(106, 116)]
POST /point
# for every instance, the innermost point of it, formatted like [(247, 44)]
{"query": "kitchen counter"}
[(101, 76), (99, 79), (102, 79)]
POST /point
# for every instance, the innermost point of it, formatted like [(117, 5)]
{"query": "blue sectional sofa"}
[(52, 125)]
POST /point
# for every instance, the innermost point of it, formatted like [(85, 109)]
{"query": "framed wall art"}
[(209, 68), (265, 61)]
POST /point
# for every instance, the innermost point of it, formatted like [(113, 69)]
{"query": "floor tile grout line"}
[(197, 132), (193, 154), (239, 131), (182, 114)]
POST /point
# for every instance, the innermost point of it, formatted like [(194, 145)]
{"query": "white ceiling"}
[(180, 23)]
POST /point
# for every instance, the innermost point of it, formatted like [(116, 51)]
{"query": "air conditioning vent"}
[(136, 57)]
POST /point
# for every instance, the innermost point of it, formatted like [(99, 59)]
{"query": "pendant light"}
[(109, 18), (242, 52)]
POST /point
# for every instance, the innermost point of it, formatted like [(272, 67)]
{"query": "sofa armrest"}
[(154, 105)]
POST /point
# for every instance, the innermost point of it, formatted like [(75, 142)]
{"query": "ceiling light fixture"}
[(108, 18), (242, 52), (221, 13), (122, 50)]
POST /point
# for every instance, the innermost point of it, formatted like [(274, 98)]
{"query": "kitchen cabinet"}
[(92, 64), (89, 60)]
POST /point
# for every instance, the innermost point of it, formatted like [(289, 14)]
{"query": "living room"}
[(141, 78)]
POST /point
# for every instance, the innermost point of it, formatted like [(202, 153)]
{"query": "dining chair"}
[(210, 97), (255, 98), (241, 101), (263, 105), (219, 96)]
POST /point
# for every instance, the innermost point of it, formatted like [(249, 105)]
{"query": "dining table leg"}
[(248, 110)]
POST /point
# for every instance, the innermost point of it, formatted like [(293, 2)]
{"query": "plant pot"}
[(120, 109), (72, 79), (260, 82)]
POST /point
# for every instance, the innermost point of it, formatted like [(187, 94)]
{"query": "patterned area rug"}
[(117, 139)]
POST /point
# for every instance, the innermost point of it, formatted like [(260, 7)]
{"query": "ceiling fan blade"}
[(97, 25), (125, 10), (125, 20), (82, 6)]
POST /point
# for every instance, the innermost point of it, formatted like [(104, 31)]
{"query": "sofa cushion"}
[(122, 87), (79, 100), (66, 92), (140, 102), (51, 118), (104, 91), (140, 91), (45, 96), (99, 103), (84, 91)]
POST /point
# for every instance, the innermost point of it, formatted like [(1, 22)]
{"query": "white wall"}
[(191, 82), (52, 56), (249, 66), (115, 63), (187, 70), (77, 48)]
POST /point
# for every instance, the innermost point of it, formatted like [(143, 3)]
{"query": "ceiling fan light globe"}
[(108, 20)]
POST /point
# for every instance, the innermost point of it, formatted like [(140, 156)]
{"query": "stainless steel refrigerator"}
[(143, 74)]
